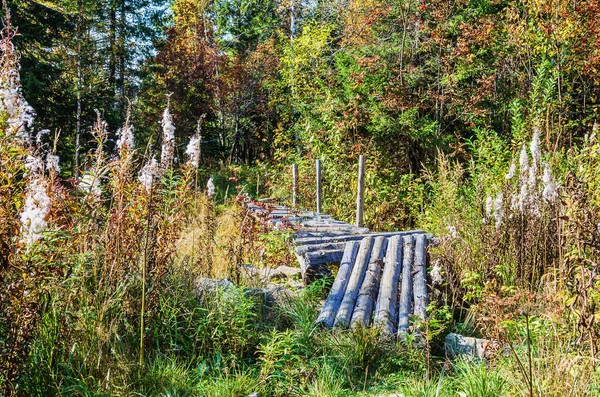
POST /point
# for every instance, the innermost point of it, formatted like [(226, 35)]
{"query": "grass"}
[(106, 301)]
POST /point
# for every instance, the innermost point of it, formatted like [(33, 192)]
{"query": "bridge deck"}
[(381, 279)]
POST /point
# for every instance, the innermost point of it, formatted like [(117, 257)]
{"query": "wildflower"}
[(52, 163), (37, 206), (210, 187), (39, 135), (511, 171), (436, 273), (90, 184), (168, 139), (524, 161), (20, 115), (498, 209), (489, 204), (549, 193), (523, 196), (125, 141), (534, 147), (35, 165), (452, 230), (193, 151), (150, 171), (532, 180), (514, 202)]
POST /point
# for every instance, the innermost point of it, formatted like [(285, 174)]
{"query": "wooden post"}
[(386, 311), (338, 288), (406, 290), (365, 303), (318, 186), (420, 282), (294, 185), (344, 314), (361, 191)]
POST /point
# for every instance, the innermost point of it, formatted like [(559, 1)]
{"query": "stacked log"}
[(404, 308), (365, 302), (338, 288), (386, 309), (344, 314), (420, 281)]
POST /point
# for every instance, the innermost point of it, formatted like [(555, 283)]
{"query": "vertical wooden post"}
[(294, 185), (361, 191), (318, 186)]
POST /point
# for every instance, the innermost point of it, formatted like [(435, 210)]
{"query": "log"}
[(318, 257), (386, 309), (338, 288), (406, 288), (320, 247), (344, 314), (350, 237), (419, 277), (365, 302)]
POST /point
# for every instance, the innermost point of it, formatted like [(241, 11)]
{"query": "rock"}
[(268, 273), (457, 345), (289, 272), (270, 294), (211, 284), (253, 395), (295, 284), (248, 271)]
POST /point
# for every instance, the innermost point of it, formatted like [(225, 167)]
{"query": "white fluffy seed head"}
[(489, 205), (35, 165), (523, 198), (524, 161), (168, 140), (37, 206), (436, 273), (210, 187), (20, 116), (549, 194), (534, 147), (193, 151), (52, 163), (149, 173), (90, 184), (125, 141), (499, 209), (511, 171)]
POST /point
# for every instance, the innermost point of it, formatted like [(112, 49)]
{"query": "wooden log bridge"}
[(381, 280)]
